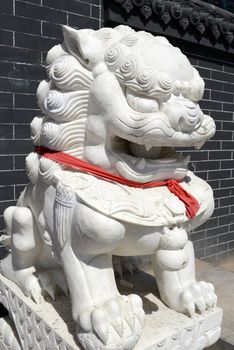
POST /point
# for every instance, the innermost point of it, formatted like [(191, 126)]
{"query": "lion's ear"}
[(83, 45)]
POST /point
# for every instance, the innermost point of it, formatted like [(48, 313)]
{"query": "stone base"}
[(49, 326)]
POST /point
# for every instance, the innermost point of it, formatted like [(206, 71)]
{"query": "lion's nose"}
[(184, 115), (191, 117)]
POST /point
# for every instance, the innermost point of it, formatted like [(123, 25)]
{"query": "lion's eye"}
[(141, 104)]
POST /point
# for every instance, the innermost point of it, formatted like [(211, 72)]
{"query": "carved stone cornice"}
[(193, 15)]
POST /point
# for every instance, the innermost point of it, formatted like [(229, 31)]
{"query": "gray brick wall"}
[(215, 161), (28, 29)]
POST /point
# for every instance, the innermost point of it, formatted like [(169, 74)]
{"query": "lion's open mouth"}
[(145, 162)]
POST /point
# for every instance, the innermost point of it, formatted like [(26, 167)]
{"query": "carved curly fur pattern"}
[(63, 101)]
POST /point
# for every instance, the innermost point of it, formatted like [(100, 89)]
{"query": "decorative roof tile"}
[(204, 18)]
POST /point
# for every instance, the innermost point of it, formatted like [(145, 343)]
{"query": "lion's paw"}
[(198, 297), (32, 289), (114, 325), (43, 284), (25, 279)]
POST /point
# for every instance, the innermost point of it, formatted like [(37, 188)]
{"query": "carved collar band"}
[(191, 204)]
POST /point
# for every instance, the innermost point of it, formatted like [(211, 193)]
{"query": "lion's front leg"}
[(105, 319), (174, 266), (25, 248)]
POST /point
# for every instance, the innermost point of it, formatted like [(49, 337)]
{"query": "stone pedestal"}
[(49, 326)]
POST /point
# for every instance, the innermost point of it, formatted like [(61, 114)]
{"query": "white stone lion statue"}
[(120, 102)]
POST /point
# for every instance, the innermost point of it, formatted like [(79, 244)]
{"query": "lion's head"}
[(122, 100)]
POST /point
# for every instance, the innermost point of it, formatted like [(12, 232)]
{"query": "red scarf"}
[(191, 204)]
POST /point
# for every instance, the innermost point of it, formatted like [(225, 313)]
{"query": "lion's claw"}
[(100, 324), (32, 288), (198, 297), (118, 322)]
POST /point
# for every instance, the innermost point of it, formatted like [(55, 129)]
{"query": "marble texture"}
[(117, 99)]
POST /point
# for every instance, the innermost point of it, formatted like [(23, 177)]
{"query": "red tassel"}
[(191, 204)]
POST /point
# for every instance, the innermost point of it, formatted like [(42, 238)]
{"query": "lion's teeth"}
[(148, 146), (187, 159), (141, 164), (200, 144)]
